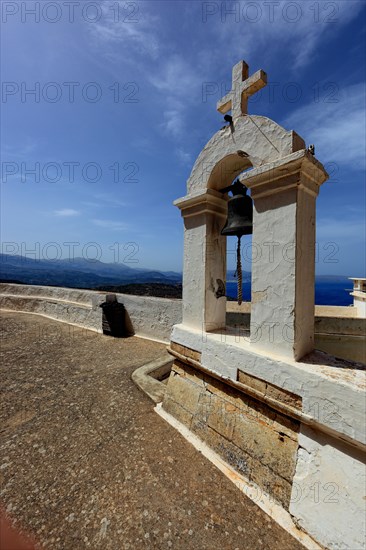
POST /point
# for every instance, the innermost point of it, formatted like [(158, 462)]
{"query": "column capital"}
[(210, 201), (300, 169)]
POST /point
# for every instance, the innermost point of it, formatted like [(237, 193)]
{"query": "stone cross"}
[(242, 88)]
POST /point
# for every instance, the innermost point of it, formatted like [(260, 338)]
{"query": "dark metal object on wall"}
[(114, 315)]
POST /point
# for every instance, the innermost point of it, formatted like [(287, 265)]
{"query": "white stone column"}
[(283, 273), (204, 269)]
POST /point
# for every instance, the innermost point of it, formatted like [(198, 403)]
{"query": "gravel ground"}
[(87, 463)]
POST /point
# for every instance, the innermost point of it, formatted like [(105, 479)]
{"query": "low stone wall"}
[(145, 316), (338, 330)]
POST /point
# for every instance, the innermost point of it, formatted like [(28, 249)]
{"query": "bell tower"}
[(284, 183), (256, 398)]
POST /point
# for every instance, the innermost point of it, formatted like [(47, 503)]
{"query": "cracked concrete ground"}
[(87, 463)]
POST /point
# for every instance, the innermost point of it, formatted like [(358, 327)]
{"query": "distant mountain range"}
[(82, 273), (78, 273), (231, 276)]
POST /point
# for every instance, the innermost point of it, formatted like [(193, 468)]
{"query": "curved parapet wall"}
[(146, 316), (337, 330)]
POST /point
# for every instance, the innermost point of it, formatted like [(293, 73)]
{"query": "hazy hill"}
[(231, 276), (78, 272), (81, 273)]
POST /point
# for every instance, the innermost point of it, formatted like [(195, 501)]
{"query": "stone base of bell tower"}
[(248, 433), (294, 430)]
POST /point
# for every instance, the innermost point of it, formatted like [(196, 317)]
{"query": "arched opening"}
[(227, 169), (225, 173), (238, 282)]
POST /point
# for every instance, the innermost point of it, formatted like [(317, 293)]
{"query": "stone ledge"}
[(271, 390), (147, 378), (338, 312), (187, 352)]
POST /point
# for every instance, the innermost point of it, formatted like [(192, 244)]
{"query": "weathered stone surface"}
[(252, 407), (263, 441), (179, 412), (284, 396), (247, 465), (187, 352), (328, 496), (252, 437), (224, 391), (332, 394), (187, 372), (327, 386), (270, 390), (252, 381), (222, 417), (183, 391)]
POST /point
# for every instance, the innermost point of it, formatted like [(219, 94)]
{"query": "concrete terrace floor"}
[(87, 463)]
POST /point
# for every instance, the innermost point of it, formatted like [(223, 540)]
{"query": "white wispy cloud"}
[(109, 199), (137, 29), (20, 151), (336, 128), (297, 28), (174, 122), (103, 200), (269, 27), (183, 156), (173, 78), (110, 224), (66, 212), (170, 74)]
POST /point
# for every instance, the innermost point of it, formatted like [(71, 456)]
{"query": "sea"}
[(328, 291)]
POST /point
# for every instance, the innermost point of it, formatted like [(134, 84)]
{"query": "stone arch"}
[(248, 142), (227, 169), (251, 141)]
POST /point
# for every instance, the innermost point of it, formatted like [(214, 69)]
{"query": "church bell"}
[(239, 222), (239, 211)]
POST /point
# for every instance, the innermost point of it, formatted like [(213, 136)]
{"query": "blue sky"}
[(125, 101)]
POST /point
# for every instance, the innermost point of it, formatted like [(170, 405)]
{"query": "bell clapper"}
[(239, 272)]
